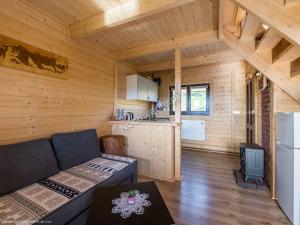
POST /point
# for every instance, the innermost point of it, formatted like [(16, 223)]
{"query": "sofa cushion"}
[(25, 163), (75, 148), (60, 198), (74, 211)]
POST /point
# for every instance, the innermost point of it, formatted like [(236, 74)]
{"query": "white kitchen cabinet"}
[(152, 91), (140, 88)]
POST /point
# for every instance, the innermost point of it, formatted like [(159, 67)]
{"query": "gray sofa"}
[(53, 181)]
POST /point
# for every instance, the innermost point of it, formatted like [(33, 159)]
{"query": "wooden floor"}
[(208, 194)]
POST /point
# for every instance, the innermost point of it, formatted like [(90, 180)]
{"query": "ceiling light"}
[(266, 27)]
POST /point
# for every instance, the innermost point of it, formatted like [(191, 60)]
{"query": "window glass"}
[(183, 99), (198, 99), (195, 100)]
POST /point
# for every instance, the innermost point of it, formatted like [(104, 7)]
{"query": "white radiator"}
[(193, 130)]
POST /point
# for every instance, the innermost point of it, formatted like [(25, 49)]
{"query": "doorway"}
[(250, 112)]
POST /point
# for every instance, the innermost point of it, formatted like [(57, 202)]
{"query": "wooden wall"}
[(137, 107), (226, 125), (33, 105)]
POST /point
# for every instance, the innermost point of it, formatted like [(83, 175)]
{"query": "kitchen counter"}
[(152, 143), (146, 122)]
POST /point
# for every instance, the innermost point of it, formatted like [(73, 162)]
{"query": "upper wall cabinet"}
[(152, 88), (140, 88)]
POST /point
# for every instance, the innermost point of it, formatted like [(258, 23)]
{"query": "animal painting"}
[(20, 56)]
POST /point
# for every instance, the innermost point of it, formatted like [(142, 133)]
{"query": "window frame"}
[(188, 102)]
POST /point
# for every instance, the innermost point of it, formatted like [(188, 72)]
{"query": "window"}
[(195, 100)]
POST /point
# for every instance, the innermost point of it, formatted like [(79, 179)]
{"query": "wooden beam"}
[(280, 2), (275, 16), (280, 49), (178, 113), (221, 19), (119, 15), (239, 15), (286, 83), (290, 55), (222, 57), (202, 38), (251, 27), (290, 3), (269, 40), (116, 86), (295, 68)]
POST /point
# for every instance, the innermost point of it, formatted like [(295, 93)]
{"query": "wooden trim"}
[(202, 38), (210, 151), (223, 57), (273, 14), (127, 12), (178, 113)]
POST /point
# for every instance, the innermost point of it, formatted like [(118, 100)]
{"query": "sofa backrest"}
[(25, 163), (75, 148)]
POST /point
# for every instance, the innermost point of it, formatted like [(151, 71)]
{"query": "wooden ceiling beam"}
[(119, 15), (295, 68), (222, 57), (275, 16), (291, 2), (290, 55), (280, 2), (269, 40), (251, 26), (198, 39), (288, 84), (221, 19)]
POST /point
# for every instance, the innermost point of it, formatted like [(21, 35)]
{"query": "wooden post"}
[(116, 88), (221, 19), (273, 110), (178, 113)]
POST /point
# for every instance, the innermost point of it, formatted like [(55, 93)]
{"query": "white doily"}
[(122, 206)]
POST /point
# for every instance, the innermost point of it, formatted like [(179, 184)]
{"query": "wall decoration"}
[(18, 55)]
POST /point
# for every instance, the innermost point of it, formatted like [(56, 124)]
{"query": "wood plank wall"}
[(32, 105), (226, 125), (139, 108)]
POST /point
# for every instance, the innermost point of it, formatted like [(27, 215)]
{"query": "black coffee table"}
[(156, 214)]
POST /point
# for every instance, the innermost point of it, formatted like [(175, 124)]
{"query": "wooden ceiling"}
[(71, 11), (195, 17), (203, 50), (198, 16), (146, 32)]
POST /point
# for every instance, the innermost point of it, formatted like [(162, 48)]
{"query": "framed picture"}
[(22, 56)]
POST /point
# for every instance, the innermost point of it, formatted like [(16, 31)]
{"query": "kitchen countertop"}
[(146, 122)]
